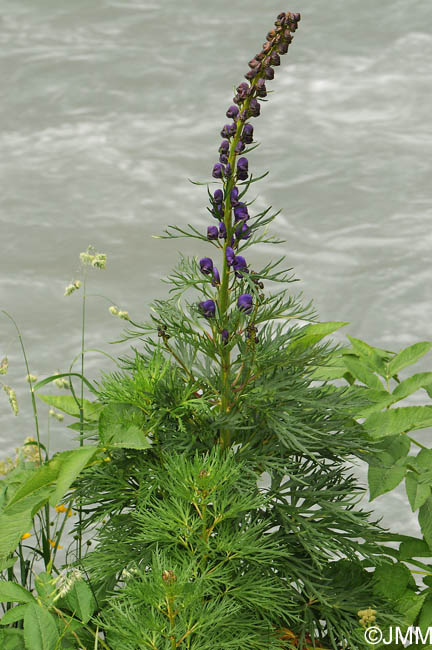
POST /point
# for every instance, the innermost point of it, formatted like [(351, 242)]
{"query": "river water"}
[(110, 106)]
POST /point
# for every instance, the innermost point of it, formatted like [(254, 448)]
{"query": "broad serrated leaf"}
[(374, 357), (410, 605), (14, 614), (383, 479), (11, 592), (362, 373), (313, 333), (414, 548), (68, 404), (425, 617), (12, 639), (408, 356), (123, 426), (398, 420), (425, 520), (412, 384), (391, 580), (417, 492), (81, 601), (72, 464), (40, 629)]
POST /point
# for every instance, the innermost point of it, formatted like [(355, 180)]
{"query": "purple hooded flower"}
[(269, 73), (229, 130), (218, 170), (216, 277), (208, 308), (243, 90), (242, 168), (234, 196), (222, 230), (206, 265), (228, 170), (212, 233), (240, 266), (224, 146), (223, 159), (254, 107), (247, 134), (243, 231), (275, 59), (241, 212), (251, 74), (225, 336), (240, 146), (261, 89), (232, 112), (230, 255), (244, 303), (218, 197)]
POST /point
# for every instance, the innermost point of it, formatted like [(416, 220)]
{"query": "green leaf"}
[(314, 332), (43, 476), (52, 378), (414, 548), (421, 462), (72, 464), (11, 592), (122, 425), (68, 404), (398, 420), (412, 384), (14, 614), (391, 580), (408, 357), (425, 520), (417, 493), (383, 479), (409, 605), (12, 639), (81, 601), (362, 373), (425, 617), (45, 586), (8, 563), (374, 357), (40, 630)]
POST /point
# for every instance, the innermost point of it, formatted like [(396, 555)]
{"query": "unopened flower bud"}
[(208, 308), (124, 315), (232, 112), (114, 310), (212, 232), (269, 73), (4, 366), (31, 378)]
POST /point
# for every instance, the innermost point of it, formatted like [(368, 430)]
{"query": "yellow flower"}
[(54, 544), (26, 536), (61, 508)]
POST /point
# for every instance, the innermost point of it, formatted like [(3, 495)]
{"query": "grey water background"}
[(108, 107)]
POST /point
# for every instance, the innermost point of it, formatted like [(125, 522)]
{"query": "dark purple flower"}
[(254, 63), (239, 147), (218, 170), (251, 74), (232, 112), (208, 308), (222, 230), (228, 170), (241, 212), (242, 231), (234, 196), (275, 59), (269, 73), (218, 196), (242, 168), (225, 336), (254, 107), (240, 266), (224, 146), (247, 134), (223, 159), (283, 47), (261, 88), (243, 90), (206, 265), (230, 255), (243, 115), (212, 233), (244, 303), (216, 277), (229, 130)]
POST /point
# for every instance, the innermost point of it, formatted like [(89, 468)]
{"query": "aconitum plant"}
[(217, 488)]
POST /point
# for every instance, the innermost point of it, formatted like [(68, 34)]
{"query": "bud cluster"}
[(366, 616)]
